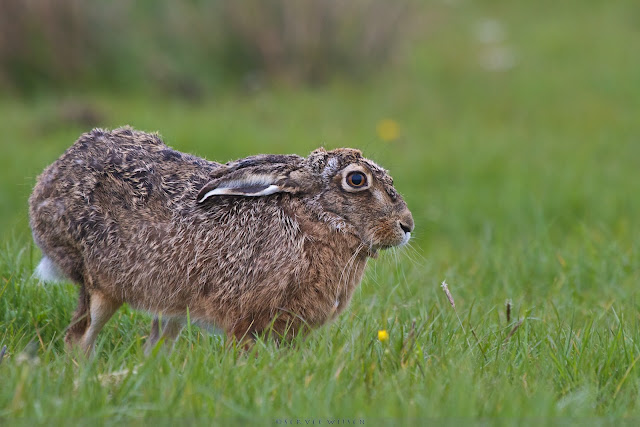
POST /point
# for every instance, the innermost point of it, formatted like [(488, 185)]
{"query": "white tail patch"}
[(48, 271)]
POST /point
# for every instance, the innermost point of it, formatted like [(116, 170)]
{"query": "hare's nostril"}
[(405, 227), (405, 221)]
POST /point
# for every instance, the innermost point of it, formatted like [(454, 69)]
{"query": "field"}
[(513, 133)]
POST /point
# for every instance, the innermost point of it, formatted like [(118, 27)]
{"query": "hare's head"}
[(345, 190)]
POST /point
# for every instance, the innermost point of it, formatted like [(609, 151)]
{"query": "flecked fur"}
[(119, 214)]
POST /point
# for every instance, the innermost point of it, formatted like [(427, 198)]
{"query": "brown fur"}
[(128, 219)]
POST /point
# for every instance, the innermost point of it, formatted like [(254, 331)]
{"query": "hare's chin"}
[(405, 239), (387, 245)]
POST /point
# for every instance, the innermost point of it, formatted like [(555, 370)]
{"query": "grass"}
[(523, 184)]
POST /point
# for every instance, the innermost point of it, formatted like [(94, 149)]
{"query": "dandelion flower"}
[(388, 130), (383, 335)]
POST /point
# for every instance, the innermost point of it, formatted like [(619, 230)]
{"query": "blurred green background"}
[(512, 129), (486, 113)]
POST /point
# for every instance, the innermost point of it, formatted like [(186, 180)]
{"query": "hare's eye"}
[(356, 179)]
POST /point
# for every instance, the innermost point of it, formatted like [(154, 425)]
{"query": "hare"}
[(268, 241)]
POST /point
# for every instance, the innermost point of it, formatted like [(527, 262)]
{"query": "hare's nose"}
[(406, 222)]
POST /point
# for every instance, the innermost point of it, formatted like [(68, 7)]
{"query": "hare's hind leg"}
[(80, 320), (170, 331), (93, 312), (102, 308)]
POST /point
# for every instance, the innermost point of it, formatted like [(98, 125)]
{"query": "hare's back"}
[(109, 179)]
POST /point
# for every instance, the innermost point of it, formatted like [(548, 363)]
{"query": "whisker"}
[(414, 256), (351, 268), (350, 263)]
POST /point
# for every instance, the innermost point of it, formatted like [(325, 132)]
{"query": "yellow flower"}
[(383, 335), (388, 130)]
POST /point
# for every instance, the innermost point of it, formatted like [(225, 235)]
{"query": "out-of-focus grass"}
[(188, 48), (523, 182)]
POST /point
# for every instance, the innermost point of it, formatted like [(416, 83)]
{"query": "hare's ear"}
[(249, 185)]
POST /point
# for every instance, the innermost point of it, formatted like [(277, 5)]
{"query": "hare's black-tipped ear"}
[(249, 186)]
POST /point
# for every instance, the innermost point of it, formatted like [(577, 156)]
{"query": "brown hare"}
[(266, 241)]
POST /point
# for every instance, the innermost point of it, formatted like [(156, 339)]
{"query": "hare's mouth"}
[(398, 241), (391, 233), (405, 238)]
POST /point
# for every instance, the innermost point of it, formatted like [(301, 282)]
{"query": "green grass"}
[(523, 183)]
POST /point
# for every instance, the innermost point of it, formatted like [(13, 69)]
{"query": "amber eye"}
[(356, 179)]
